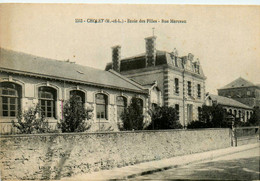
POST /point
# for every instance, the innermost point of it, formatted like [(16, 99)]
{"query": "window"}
[(177, 108), (235, 113), (80, 96), (121, 105), (176, 82), (10, 99), (47, 99), (101, 106), (199, 113), (189, 88), (199, 91)]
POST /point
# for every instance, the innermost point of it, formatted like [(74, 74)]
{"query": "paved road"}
[(239, 166)]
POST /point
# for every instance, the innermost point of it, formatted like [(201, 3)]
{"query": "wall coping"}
[(105, 132)]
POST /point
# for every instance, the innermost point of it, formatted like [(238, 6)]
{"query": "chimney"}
[(150, 55), (116, 56), (190, 56)]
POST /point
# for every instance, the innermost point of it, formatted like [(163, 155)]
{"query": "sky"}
[(224, 38)]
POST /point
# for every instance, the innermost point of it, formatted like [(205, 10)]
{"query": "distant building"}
[(26, 80), (231, 106), (243, 91), (179, 78)]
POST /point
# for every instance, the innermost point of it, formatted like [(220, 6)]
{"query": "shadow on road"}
[(235, 169), (238, 169)]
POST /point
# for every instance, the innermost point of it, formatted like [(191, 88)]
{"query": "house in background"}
[(240, 111), (179, 78), (26, 80), (243, 91)]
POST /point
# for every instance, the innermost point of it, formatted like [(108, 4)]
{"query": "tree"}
[(214, 116), (164, 118), (132, 117), (211, 117), (75, 116), (31, 121), (255, 118)]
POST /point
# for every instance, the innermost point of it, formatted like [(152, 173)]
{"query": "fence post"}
[(233, 134)]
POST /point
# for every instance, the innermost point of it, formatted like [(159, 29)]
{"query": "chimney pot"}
[(116, 56)]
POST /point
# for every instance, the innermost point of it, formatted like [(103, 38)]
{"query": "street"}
[(238, 166)]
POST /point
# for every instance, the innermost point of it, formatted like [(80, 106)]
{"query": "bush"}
[(31, 121), (197, 124), (132, 117), (75, 116), (164, 118)]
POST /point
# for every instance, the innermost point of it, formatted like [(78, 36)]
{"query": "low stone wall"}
[(52, 156)]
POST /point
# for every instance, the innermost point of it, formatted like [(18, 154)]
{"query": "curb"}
[(210, 157), (130, 172)]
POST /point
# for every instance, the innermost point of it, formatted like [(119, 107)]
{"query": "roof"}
[(240, 82), (228, 101), (162, 58), (50, 68)]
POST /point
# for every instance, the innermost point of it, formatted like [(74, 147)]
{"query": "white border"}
[(203, 2)]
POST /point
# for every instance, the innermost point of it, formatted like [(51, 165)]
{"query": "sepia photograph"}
[(129, 92)]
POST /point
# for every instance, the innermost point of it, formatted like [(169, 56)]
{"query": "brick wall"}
[(52, 156)]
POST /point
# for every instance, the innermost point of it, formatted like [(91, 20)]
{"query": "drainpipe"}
[(183, 100), (62, 100)]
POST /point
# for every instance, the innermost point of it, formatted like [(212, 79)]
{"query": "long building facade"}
[(232, 107), (155, 78), (27, 80), (180, 79)]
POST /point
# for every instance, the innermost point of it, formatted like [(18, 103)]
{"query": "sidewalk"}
[(155, 166)]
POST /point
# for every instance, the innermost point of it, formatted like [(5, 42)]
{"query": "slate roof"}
[(68, 71), (162, 58), (228, 101), (240, 82)]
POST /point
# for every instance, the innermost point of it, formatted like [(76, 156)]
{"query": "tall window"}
[(235, 113), (47, 99), (176, 82), (10, 99), (121, 105), (80, 96), (199, 113), (101, 106), (177, 108), (189, 88), (199, 91)]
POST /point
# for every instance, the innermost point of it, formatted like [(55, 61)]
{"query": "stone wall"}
[(53, 156)]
